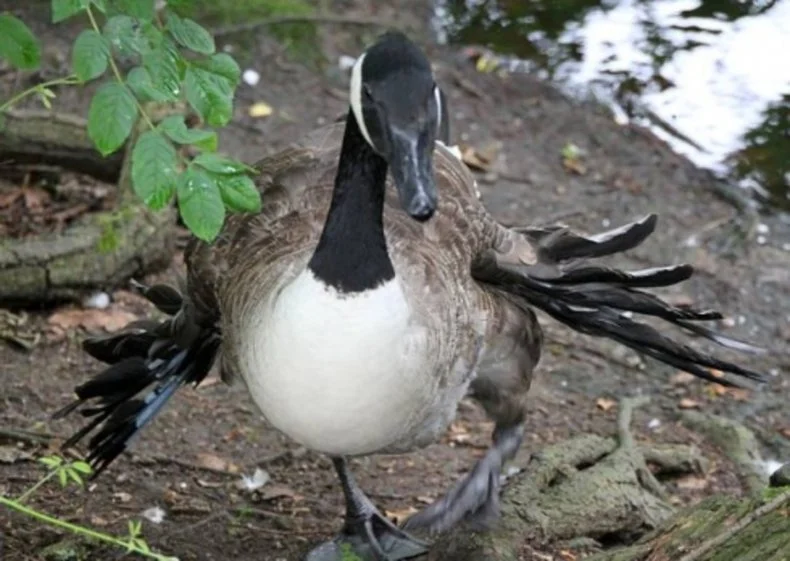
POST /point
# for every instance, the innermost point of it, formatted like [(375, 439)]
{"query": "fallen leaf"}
[(474, 159), (400, 516), (681, 378), (109, 319), (260, 109), (35, 197), (605, 404), (209, 484), (122, 497), (98, 521), (688, 403), (459, 434), (214, 462), (785, 432), (567, 555), (573, 165), (692, 483), (425, 499), (716, 373)]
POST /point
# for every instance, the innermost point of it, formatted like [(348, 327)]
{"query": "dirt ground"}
[(190, 460)]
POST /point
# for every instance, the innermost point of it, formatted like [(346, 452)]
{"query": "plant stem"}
[(80, 530), (37, 485), (116, 71), (66, 81)]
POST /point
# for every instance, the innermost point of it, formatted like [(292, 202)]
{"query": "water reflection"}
[(707, 76)]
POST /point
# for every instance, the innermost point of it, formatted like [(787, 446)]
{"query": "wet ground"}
[(707, 76), (189, 461)]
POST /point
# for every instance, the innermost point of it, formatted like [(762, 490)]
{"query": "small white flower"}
[(258, 480), (154, 514)]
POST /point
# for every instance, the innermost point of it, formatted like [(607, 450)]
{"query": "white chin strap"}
[(355, 95)]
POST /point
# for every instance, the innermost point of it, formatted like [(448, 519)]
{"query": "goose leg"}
[(474, 499), (366, 531)]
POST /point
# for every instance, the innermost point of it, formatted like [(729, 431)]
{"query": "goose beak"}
[(411, 164)]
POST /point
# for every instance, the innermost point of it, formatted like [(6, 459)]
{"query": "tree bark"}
[(99, 250), (600, 489)]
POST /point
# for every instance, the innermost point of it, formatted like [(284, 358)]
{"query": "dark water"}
[(711, 77)]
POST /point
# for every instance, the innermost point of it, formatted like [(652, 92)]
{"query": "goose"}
[(370, 295)]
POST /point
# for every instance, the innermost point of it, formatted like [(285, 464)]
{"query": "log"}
[(98, 251)]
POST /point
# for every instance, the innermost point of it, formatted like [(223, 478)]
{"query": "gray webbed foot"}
[(474, 499), (366, 532)]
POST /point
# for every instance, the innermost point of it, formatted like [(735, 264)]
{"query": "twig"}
[(30, 437), (316, 18), (718, 540)]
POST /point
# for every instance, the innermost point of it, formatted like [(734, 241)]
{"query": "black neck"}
[(352, 253)]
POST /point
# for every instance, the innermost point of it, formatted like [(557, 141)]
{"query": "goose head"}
[(398, 109)]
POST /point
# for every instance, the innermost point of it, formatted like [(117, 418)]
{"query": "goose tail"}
[(148, 361), (604, 301)]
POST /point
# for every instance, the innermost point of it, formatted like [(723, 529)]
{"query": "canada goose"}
[(359, 316)]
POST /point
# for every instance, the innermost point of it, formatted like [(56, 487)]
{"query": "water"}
[(711, 77)]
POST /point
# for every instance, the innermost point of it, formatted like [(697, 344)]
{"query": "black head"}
[(398, 108)]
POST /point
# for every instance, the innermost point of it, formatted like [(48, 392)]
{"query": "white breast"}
[(340, 374)]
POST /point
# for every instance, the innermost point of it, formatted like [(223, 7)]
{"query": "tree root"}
[(589, 486)]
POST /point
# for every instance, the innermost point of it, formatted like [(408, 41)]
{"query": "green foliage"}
[(111, 117), (18, 45), (174, 60), (200, 201), (90, 55), (73, 472)]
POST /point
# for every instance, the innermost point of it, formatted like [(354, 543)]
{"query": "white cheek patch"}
[(439, 109), (355, 95)]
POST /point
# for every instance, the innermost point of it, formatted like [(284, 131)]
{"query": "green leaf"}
[(220, 164), (200, 203), (176, 128), (63, 477), (124, 35), (18, 45), (111, 116), (74, 476), (90, 55), (101, 5), (223, 65), (154, 169), (82, 467), (140, 83), (63, 9), (239, 193), (210, 95), (140, 9), (51, 461), (190, 34), (162, 65)]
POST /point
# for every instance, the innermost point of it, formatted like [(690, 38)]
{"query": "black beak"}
[(411, 164)]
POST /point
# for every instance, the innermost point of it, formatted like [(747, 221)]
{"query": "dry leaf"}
[(681, 378), (459, 434), (474, 159), (425, 499), (567, 555), (785, 432), (688, 403), (260, 109), (35, 198), (574, 165), (400, 516), (692, 483), (122, 497), (605, 404), (98, 521), (109, 319), (271, 492), (716, 373), (215, 463)]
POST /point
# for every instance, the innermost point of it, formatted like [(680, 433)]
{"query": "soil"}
[(190, 460)]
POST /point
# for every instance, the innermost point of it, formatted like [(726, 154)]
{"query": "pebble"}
[(251, 77)]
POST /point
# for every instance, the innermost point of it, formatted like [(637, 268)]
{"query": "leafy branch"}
[(72, 473), (176, 62)]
